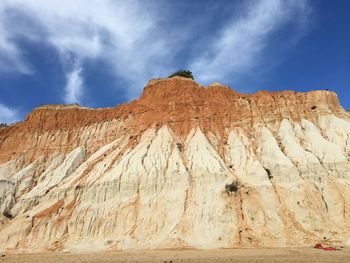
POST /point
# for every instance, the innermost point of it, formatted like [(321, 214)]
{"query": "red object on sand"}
[(319, 246)]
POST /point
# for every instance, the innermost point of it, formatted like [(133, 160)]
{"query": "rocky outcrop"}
[(182, 166)]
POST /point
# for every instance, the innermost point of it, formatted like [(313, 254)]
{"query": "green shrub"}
[(182, 73)]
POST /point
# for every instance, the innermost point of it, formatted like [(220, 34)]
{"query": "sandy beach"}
[(193, 256)]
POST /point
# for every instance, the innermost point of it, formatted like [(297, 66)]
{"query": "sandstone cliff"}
[(182, 166)]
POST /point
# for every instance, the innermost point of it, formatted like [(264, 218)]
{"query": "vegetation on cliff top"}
[(182, 73)]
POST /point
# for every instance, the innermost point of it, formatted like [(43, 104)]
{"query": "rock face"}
[(182, 166)]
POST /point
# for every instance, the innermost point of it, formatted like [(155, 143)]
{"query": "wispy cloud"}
[(134, 40), (74, 86), (8, 115), (243, 39), (124, 34)]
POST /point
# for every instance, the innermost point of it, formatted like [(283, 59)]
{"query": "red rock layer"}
[(178, 102)]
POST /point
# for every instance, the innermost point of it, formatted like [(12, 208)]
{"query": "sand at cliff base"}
[(177, 256)]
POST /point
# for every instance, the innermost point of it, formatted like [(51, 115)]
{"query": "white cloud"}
[(8, 115), (131, 37), (74, 86), (242, 41), (121, 33)]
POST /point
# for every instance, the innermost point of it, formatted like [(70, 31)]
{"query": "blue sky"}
[(101, 53)]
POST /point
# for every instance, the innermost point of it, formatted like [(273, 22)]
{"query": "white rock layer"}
[(293, 189)]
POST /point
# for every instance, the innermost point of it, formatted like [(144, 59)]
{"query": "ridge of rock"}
[(180, 103), (182, 94)]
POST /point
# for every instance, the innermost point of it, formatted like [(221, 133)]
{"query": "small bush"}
[(179, 146), (182, 73), (233, 187), (3, 125), (7, 215)]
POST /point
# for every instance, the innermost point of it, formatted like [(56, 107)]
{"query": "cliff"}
[(182, 166)]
